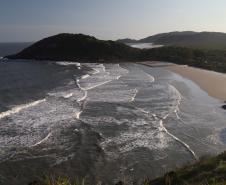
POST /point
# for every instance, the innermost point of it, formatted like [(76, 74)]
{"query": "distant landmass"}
[(75, 47), (83, 48), (127, 41), (201, 40)]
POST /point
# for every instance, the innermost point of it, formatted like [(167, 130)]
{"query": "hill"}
[(75, 47), (201, 40), (78, 47), (125, 41), (207, 171), (207, 59)]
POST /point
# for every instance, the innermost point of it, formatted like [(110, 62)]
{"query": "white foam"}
[(175, 110), (178, 99), (163, 128), (143, 111), (95, 71), (65, 63), (111, 94), (96, 120), (135, 94), (77, 115), (83, 98), (94, 86), (69, 91), (97, 68), (98, 78), (19, 108), (68, 95), (103, 67), (176, 113), (85, 76), (135, 138), (126, 70), (43, 140), (118, 77), (177, 92), (152, 79)]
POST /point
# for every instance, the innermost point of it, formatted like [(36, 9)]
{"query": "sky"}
[(32, 20)]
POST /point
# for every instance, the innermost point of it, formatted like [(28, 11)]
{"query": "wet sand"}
[(213, 83)]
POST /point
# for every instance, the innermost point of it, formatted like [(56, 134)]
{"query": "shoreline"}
[(214, 83)]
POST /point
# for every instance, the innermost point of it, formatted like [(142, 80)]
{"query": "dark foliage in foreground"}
[(207, 171)]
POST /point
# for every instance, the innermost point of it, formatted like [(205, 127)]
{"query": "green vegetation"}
[(208, 59), (78, 47), (59, 181), (207, 171)]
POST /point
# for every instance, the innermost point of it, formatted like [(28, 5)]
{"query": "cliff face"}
[(75, 47)]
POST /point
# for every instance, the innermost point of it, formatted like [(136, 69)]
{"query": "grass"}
[(207, 171), (51, 180)]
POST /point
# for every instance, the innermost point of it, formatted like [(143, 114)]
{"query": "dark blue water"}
[(105, 122), (12, 48)]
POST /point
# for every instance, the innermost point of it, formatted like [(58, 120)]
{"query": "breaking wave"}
[(19, 108), (43, 140)]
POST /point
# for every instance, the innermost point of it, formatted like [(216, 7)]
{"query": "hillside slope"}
[(201, 40), (75, 47), (207, 171), (83, 48)]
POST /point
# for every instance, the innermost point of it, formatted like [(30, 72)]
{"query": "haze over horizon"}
[(25, 20)]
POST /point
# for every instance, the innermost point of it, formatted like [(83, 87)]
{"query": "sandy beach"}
[(213, 83)]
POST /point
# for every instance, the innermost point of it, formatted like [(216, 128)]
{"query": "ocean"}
[(103, 122), (10, 48)]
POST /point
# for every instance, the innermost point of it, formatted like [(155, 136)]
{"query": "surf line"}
[(177, 109), (92, 87), (19, 108), (178, 140), (86, 89), (171, 135), (77, 115), (83, 98), (96, 71), (43, 140), (176, 112), (135, 94), (127, 71), (152, 78), (163, 128)]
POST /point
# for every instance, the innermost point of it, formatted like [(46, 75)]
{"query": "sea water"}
[(104, 122)]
